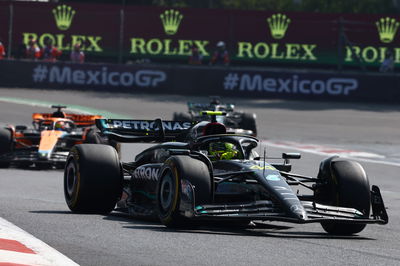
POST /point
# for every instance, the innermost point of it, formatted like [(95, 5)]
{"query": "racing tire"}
[(92, 179), (181, 117), (5, 145), (93, 137), (169, 188), (346, 185), (249, 122)]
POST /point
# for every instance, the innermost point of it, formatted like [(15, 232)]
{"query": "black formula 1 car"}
[(48, 141), (237, 122), (186, 178)]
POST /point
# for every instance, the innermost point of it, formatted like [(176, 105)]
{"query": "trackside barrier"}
[(203, 80)]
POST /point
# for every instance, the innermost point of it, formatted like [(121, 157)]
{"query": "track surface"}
[(33, 200)]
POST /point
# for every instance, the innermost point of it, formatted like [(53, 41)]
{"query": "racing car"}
[(48, 141), (196, 172), (237, 122)]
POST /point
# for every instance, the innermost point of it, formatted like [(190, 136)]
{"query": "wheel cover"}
[(167, 191), (71, 179)]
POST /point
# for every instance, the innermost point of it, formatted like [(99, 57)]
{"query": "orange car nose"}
[(48, 140)]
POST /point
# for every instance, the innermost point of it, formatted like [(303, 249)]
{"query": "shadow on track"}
[(218, 228)]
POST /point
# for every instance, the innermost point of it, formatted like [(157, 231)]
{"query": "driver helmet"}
[(60, 125), (222, 151), (220, 44)]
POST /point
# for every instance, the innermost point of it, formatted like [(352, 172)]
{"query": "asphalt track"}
[(33, 200)]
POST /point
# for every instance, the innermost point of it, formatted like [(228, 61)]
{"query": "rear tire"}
[(92, 179), (169, 188), (249, 122), (5, 145), (347, 185)]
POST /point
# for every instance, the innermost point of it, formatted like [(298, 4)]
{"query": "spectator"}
[(196, 57), (50, 52), (21, 51), (388, 63), (32, 49), (220, 56), (77, 56), (2, 51)]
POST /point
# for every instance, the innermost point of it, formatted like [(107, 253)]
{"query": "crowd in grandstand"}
[(49, 52)]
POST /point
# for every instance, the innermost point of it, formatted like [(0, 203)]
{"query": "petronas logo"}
[(278, 24), (387, 28), (63, 15), (171, 20)]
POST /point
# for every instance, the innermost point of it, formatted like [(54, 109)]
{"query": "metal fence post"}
[(121, 35), (10, 30)]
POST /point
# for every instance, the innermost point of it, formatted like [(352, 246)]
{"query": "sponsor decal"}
[(278, 24), (171, 20), (387, 28), (258, 167), (146, 172), (63, 15), (150, 125), (273, 177), (293, 85), (104, 77)]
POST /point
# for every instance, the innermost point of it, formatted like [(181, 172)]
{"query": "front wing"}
[(315, 213)]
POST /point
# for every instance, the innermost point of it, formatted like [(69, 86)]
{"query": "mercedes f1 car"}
[(237, 122), (48, 142), (197, 172)]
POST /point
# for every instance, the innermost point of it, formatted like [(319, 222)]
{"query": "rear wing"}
[(126, 130), (79, 119)]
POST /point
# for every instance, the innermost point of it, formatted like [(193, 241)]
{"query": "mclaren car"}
[(47, 142), (195, 172)]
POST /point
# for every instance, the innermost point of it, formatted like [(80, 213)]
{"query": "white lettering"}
[(293, 85)]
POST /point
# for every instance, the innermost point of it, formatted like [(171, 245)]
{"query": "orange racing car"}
[(48, 142)]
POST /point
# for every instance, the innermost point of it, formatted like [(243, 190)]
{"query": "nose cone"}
[(44, 155), (299, 212)]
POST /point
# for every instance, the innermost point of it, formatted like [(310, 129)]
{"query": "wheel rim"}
[(71, 179), (167, 191)]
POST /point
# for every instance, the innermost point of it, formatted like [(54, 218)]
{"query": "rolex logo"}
[(387, 28), (63, 15), (278, 24), (171, 20)]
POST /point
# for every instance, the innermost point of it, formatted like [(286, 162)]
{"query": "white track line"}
[(327, 151), (43, 255)]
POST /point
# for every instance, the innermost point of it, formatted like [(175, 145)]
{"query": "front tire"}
[(92, 179), (169, 188), (347, 185)]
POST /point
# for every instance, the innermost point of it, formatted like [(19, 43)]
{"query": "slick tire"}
[(169, 188), (249, 122), (5, 145), (181, 117), (92, 179), (347, 186)]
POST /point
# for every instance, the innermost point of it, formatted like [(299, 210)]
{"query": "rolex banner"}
[(115, 33)]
